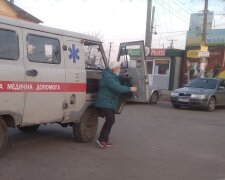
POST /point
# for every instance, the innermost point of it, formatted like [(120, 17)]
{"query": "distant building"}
[(196, 21), (11, 10), (215, 40)]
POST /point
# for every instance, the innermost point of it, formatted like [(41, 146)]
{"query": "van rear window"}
[(9, 45), (43, 49)]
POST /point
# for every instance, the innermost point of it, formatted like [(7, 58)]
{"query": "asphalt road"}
[(152, 143)]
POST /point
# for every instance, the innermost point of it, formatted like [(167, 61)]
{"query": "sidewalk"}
[(165, 96)]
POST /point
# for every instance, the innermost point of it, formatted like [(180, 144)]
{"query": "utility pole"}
[(205, 23), (148, 24), (152, 26), (171, 44), (110, 48), (203, 59)]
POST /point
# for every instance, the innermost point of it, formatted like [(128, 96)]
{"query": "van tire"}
[(154, 97), (85, 130), (29, 129), (3, 136)]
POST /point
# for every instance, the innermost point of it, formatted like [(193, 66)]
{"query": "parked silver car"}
[(202, 92)]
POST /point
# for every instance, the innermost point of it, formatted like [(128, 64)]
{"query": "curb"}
[(165, 98)]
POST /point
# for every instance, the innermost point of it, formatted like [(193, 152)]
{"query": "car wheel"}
[(211, 104), (29, 129), (176, 106), (154, 97)]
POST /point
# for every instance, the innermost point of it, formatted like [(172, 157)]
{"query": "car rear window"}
[(203, 83)]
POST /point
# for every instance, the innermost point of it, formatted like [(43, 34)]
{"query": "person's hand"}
[(133, 89)]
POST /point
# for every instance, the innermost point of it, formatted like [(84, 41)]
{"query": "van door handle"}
[(32, 72)]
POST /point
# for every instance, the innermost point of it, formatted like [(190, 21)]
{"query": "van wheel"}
[(29, 129), (3, 136), (154, 97), (85, 130)]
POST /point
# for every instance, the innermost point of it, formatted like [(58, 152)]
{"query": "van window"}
[(130, 56), (9, 45), (43, 49), (93, 56)]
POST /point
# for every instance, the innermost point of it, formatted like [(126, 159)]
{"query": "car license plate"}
[(184, 100)]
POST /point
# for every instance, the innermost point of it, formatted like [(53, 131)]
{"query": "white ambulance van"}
[(48, 75)]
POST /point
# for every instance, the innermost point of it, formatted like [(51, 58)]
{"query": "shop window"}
[(9, 45), (162, 67), (43, 49)]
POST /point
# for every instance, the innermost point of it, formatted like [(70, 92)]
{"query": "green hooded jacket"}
[(110, 89)]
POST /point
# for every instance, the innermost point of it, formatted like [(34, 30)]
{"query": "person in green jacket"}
[(108, 100)]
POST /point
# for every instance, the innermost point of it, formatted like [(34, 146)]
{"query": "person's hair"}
[(114, 64)]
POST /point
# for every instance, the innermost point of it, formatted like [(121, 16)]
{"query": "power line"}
[(174, 10), (165, 22), (181, 3), (175, 35), (167, 32), (170, 16), (180, 7), (177, 15), (159, 18), (160, 22), (183, 7)]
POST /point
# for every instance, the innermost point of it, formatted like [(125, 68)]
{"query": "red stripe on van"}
[(20, 86)]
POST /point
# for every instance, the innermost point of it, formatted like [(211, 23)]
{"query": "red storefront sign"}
[(158, 52)]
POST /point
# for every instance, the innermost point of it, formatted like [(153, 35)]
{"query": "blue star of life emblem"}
[(74, 53)]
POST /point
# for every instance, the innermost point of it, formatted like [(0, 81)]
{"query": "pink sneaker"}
[(101, 144), (108, 144)]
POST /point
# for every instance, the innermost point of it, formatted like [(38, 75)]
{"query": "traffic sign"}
[(204, 48), (203, 54), (192, 54)]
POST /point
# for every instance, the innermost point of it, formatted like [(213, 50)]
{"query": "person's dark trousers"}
[(109, 121)]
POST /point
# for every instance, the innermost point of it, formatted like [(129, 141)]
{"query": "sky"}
[(123, 20)]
